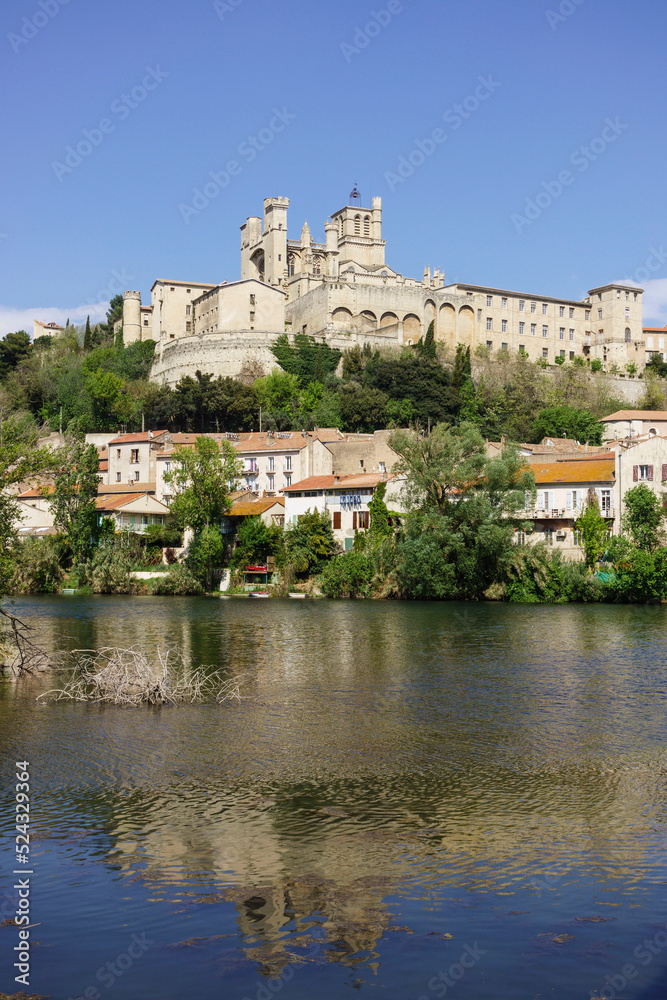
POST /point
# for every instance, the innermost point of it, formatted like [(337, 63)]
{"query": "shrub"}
[(108, 572), (347, 575), (38, 565), (178, 581)]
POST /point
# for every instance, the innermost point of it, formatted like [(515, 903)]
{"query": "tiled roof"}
[(133, 488), (312, 483), (138, 438), (635, 415), (248, 508), (338, 482), (596, 470)]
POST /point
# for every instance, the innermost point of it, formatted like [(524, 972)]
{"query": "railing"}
[(564, 513)]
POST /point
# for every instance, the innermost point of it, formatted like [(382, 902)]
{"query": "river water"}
[(412, 801)]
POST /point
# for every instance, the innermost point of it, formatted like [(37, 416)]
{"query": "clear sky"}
[(307, 97)]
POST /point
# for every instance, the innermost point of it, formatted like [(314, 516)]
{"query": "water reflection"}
[(381, 751)]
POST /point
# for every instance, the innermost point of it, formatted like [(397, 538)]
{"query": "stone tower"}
[(264, 247), (131, 317), (360, 234)]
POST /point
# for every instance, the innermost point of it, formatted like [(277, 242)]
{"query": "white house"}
[(346, 498)]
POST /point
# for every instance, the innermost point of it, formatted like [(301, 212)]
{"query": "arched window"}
[(317, 265), (627, 335), (367, 225), (357, 225), (290, 265)]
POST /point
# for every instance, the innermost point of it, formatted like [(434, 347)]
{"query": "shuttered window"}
[(336, 519), (354, 519)]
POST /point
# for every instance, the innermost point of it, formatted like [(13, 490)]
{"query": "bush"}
[(38, 565), (108, 572), (178, 581), (347, 575)]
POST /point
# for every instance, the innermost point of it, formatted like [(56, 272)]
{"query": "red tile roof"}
[(361, 481), (635, 415), (139, 438), (592, 471)]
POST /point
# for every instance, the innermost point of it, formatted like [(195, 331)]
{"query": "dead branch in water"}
[(26, 656), (117, 676)]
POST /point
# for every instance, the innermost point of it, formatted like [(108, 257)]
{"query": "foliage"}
[(108, 571), (642, 576), (256, 542), (163, 536), (178, 581), (380, 526), (200, 479), (20, 463), (308, 359), (309, 542), (596, 365), (643, 517), (38, 565), (426, 348), (14, 348), (362, 408), (205, 555), (536, 574), (422, 380), (279, 396), (567, 421), (593, 528), (348, 575), (74, 496)]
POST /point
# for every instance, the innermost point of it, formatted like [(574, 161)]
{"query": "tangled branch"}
[(26, 656), (117, 676)]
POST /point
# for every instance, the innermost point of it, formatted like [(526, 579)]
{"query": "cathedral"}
[(343, 291)]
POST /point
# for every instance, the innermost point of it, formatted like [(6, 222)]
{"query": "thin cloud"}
[(654, 300), (22, 319)]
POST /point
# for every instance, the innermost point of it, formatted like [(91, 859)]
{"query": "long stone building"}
[(344, 292)]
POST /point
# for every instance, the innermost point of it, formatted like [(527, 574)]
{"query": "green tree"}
[(310, 542), (14, 347), (462, 370), (362, 408), (21, 462), (206, 554), (427, 347), (593, 528), (567, 421), (279, 395), (201, 480), (643, 517), (73, 497), (88, 336), (308, 359), (380, 526), (441, 468)]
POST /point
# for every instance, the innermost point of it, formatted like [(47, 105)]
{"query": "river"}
[(411, 800)]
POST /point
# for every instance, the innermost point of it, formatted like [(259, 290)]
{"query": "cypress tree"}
[(88, 336)]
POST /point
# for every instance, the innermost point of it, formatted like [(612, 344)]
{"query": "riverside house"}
[(346, 498), (563, 488)]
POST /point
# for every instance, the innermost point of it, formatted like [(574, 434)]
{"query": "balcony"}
[(562, 513)]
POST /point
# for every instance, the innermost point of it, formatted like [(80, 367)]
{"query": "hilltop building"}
[(343, 291)]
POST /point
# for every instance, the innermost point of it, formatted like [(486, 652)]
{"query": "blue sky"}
[(181, 88)]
